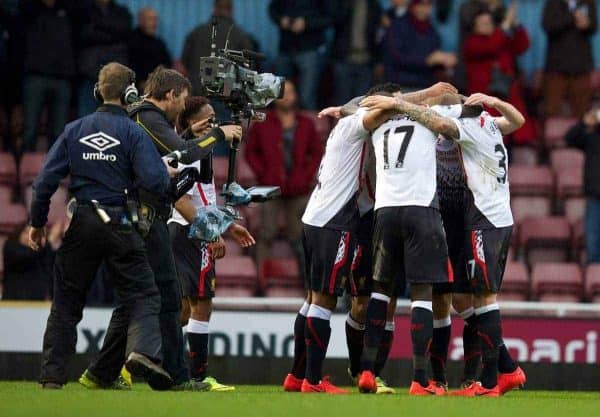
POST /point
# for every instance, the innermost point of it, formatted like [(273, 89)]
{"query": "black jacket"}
[(588, 140), (316, 14), (104, 37), (49, 42), (343, 27), (146, 53), (155, 123), (105, 154), (569, 49)]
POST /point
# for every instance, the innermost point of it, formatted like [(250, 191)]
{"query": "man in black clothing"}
[(302, 25), (165, 91), (354, 46), (49, 66), (586, 136), (105, 31), (146, 50), (108, 157)]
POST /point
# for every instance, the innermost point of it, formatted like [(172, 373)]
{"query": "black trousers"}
[(109, 361), (87, 243)]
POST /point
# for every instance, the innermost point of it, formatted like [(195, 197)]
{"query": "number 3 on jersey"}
[(407, 132)]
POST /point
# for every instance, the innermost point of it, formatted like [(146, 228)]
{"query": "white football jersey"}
[(486, 166), (201, 195), (406, 164), (333, 201)]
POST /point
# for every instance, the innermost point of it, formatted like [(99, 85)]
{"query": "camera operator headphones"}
[(129, 96)]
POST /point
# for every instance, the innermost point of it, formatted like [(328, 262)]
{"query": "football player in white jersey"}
[(195, 259), (489, 217), (409, 240)]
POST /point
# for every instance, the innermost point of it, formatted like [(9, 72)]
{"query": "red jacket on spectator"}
[(483, 53), (264, 153)]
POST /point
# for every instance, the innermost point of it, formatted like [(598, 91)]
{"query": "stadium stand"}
[(592, 283), (556, 281), (12, 216), (555, 129), (237, 277), (532, 188), (516, 284), (280, 278), (545, 239), (8, 169), (524, 155), (30, 165)]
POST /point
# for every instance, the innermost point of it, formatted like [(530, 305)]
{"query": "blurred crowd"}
[(51, 50)]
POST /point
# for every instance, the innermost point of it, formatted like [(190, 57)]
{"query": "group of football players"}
[(436, 219)]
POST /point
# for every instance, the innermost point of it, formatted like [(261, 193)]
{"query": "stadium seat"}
[(592, 281), (280, 278), (8, 169), (557, 281), (5, 195), (252, 217), (30, 166), (524, 207), (569, 182), (555, 129), (561, 159), (232, 248), (238, 274), (545, 239), (12, 216), (281, 249), (524, 155), (578, 240), (323, 125), (574, 209), (530, 181), (515, 284)]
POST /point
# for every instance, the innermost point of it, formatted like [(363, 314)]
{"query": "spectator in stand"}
[(398, 8), (197, 42), (472, 8), (490, 56), (354, 46), (49, 67), (411, 51), (28, 273), (302, 25), (586, 136), (104, 36), (146, 50), (284, 150), (569, 25)]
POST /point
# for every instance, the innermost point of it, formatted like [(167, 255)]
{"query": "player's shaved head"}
[(385, 89)]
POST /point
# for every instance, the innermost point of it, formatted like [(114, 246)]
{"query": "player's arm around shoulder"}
[(511, 119), (423, 115)]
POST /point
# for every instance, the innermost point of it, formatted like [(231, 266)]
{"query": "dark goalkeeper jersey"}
[(451, 180)]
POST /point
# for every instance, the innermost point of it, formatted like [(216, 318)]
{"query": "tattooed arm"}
[(418, 97), (423, 115)]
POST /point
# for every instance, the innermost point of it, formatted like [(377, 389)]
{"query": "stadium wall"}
[(253, 347)]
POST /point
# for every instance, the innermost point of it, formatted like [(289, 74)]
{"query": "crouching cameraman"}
[(165, 94)]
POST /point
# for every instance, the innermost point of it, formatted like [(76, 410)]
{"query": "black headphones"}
[(129, 96)]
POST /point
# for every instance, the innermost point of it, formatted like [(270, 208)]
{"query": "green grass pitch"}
[(27, 400)]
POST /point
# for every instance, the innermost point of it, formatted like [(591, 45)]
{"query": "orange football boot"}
[(477, 390), (432, 389), (292, 384), (367, 384), (512, 380), (324, 386)]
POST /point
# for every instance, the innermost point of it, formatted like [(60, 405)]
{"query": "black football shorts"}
[(410, 246), (486, 251), (454, 226), (328, 257), (194, 263)]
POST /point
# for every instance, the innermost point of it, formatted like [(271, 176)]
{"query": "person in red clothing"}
[(284, 150), (490, 54)]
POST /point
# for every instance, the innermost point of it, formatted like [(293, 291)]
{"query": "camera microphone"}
[(255, 56)]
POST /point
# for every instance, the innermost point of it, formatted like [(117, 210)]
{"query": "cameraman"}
[(165, 91), (101, 229), (195, 259), (586, 136)]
